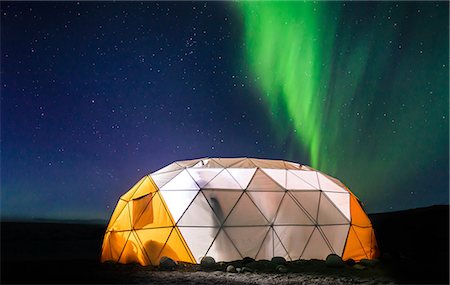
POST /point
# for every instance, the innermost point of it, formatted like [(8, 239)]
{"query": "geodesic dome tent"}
[(230, 208)]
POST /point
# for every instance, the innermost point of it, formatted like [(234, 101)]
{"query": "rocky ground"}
[(414, 246)]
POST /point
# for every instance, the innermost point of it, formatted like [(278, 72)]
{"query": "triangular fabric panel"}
[(278, 247), (178, 201), (145, 188), (316, 248), (188, 163), (123, 221), (267, 202), (199, 213), (223, 180), (342, 202), (132, 251), (246, 163), (294, 238), (162, 179), (247, 240), (156, 215), (301, 180), (328, 185), (211, 163), (198, 240), (267, 163), (127, 196), (117, 242), (328, 213), (176, 249), (153, 241), (309, 200), (223, 247), (291, 214), (222, 201), (141, 211), (245, 213), (336, 236), (203, 175), (360, 244), (291, 165), (262, 182), (182, 181), (117, 211), (171, 167), (106, 248), (278, 175), (359, 218), (266, 249), (228, 162), (242, 175)]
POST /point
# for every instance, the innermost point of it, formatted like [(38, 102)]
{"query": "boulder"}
[(281, 269), (350, 262), (231, 269), (207, 261), (238, 270), (368, 262), (335, 261), (278, 260), (167, 263), (247, 260), (359, 266), (246, 269)]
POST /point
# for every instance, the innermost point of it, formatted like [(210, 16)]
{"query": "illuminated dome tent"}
[(231, 208)]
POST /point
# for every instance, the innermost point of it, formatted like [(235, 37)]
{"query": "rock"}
[(278, 260), (350, 262), (334, 260), (247, 260), (231, 269), (281, 269), (167, 263), (207, 261), (238, 270), (246, 269), (359, 266), (368, 262)]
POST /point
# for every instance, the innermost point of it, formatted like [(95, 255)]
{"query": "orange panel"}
[(117, 241), (142, 211), (127, 196), (153, 241), (353, 247), (177, 244), (156, 215), (117, 211), (359, 217)]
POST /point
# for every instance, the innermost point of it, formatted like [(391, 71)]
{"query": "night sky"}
[(96, 95)]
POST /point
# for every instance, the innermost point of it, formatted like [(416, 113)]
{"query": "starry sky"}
[(95, 95)]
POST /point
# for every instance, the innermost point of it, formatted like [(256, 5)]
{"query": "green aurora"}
[(363, 86)]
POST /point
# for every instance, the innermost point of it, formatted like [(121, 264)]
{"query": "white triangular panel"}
[(247, 239), (203, 175), (222, 201), (267, 202), (329, 213), (266, 249), (223, 180), (336, 236), (198, 240), (278, 175), (223, 248), (242, 175), (341, 200), (309, 201), (245, 213), (171, 167), (316, 248), (291, 214), (178, 201), (328, 185), (301, 180), (294, 238), (278, 247), (262, 182), (188, 163), (199, 213), (182, 181), (162, 178)]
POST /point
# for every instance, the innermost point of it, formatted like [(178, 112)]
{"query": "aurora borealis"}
[(348, 87), (96, 95)]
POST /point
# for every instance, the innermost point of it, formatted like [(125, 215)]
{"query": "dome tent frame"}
[(230, 208)]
